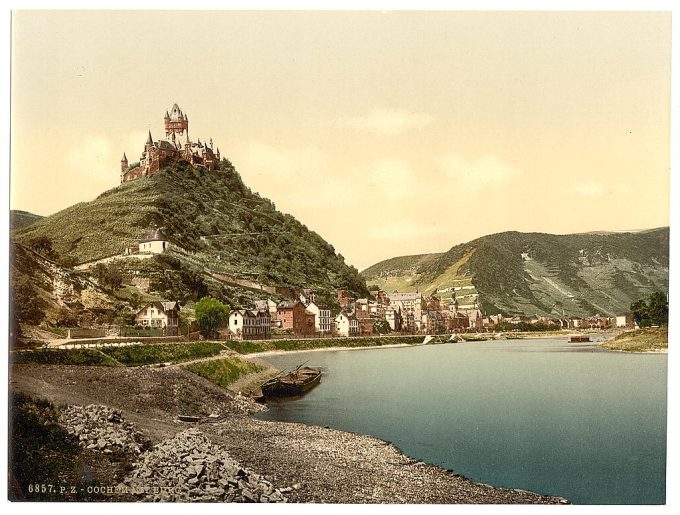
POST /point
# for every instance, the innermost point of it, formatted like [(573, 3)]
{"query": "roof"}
[(175, 113), (169, 305), (250, 313), (163, 305), (288, 304), (166, 144), (153, 235)]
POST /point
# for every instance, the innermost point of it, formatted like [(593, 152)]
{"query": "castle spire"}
[(149, 140), (124, 157)]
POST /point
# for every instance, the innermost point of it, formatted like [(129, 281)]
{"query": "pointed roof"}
[(149, 139), (124, 157), (153, 235)]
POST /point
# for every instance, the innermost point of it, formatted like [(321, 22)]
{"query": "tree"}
[(43, 246), (28, 306), (109, 277), (653, 312), (381, 327), (658, 308), (210, 313), (640, 313)]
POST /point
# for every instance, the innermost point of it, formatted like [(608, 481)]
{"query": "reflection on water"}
[(543, 415)]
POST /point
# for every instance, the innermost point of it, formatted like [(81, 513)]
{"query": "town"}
[(401, 313)]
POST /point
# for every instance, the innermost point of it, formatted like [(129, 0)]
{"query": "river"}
[(541, 415)]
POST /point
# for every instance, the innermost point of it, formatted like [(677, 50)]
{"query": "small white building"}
[(625, 321), (154, 241), (322, 320), (249, 324), (160, 314), (346, 324)]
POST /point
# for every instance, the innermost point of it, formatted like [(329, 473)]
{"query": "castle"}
[(175, 148)]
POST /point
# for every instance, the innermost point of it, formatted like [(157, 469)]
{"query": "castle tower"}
[(123, 163), (176, 121)]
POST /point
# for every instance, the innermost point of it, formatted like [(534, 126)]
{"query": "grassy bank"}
[(653, 339), (224, 372), (250, 347), (137, 355), (131, 356), (91, 357)]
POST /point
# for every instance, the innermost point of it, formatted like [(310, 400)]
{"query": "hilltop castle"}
[(175, 148)]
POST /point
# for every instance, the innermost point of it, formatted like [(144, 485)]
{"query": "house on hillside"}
[(154, 241), (160, 314), (344, 298), (307, 296), (250, 324)]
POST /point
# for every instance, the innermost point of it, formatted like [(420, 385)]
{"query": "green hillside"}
[(218, 224), (19, 219), (535, 273)]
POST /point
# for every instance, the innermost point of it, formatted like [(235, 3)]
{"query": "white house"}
[(322, 320), (154, 241), (625, 321), (248, 324), (346, 324), (161, 315)]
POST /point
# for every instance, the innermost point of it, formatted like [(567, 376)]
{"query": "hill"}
[(217, 227), (45, 293), (20, 219), (536, 273)]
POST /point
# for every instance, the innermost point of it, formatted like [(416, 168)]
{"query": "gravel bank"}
[(306, 463)]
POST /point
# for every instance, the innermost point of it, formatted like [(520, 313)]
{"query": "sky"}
[(388, 133)]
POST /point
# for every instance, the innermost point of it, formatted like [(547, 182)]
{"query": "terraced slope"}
[(536, 273), (217, 225)]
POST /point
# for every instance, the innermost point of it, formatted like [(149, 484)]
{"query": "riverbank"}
[(652, 339), (309, 464)]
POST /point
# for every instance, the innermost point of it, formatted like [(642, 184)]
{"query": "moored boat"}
[(578, 338), (297, 382)]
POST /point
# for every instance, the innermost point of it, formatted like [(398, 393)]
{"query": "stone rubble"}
[(103, 429), (189, 468)]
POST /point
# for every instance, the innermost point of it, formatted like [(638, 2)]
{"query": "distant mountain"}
[(217, 227), (536, 273), (20, 219)]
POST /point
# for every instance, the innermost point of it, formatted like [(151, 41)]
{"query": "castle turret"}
[(176, 121), (123, 163)]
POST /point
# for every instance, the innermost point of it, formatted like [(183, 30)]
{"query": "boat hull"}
[(291, 385)]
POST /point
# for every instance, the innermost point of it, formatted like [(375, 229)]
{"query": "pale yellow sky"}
[(387, 133)]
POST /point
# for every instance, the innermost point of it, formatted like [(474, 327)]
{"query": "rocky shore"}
[(231, 456)]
